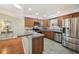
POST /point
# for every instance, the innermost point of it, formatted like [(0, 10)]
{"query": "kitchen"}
[(23, 32)]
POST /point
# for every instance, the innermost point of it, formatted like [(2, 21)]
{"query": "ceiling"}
[(46, 10), (11, 10), (43, 10)]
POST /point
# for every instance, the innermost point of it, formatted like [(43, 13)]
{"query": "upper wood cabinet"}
[(75, 14), (29, 22), (45, 23), (60, 19)]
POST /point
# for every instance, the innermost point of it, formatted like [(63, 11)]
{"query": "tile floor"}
[(52, 47)]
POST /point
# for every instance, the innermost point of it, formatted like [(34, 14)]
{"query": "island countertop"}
[(31, 34), (25, 34)]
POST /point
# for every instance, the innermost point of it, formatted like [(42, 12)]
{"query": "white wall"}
[(16, 24), (13, 14)]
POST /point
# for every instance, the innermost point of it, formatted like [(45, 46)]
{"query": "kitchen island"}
[(25, 43), (34, 43)]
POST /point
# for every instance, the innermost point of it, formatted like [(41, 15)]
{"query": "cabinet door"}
[(50, 35), (73, 27), (60, 19), (77, 28), (37, 45), (11, 46), (28, 22), (45, 23)]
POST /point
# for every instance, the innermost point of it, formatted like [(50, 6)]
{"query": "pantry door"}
[(73, 27)]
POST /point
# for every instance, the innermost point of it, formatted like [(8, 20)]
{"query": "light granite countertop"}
[(53, 30), (31, 34)]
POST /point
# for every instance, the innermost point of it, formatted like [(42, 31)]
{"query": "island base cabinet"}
[(37, 45), (11, 46)]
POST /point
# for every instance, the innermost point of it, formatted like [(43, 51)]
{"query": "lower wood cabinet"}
[(11, 46), (37, 45), (48, 34)]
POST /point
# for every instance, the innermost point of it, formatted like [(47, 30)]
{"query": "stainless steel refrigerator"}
[(71, 33)]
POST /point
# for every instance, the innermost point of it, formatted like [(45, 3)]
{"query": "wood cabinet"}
[(60, 19), (37, 45), (11, 46), (29, 22), (48, 34), (45, 23)]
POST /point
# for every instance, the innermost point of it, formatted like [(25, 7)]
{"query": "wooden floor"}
[(11, 46)]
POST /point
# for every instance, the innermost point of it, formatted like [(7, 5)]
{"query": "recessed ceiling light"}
[(17, 6), (37, 13), (29, 9)]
